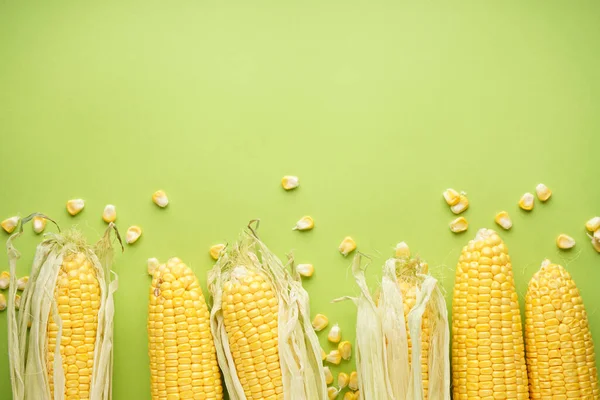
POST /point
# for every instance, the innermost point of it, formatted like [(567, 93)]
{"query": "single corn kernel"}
[(565, 241), (290, 182), (160, 198), (4, 280), (334, 357), (332, 392), (306, 270), (596, 235), (328, 375), (343, 380), (10, 224), (460, 224), (353, 383), (3, 307), (22, 282), (110, 213), (152, 263), (335, 334), (451, 196), (345, 349), (402, 250), (17, 301), (215, 251), (357, 394), (133, 234), (542, 191), (320, 322), (593, 224), (75, 206), (39, 224), (350, 396), (304, 224), (596, 244), (526, 202), (323, 354), (347, 246), (462, 205), (503, 219)]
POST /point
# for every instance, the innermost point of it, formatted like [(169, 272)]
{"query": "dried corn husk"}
[(27, 347), (299, 348)]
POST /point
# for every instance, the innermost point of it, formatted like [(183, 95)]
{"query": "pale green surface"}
[(377, 106)]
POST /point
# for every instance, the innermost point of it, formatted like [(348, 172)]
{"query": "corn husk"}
[(27, 346), (299, 349), (382, 357)]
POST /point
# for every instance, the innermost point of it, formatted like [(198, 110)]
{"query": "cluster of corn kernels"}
[(458, 203)]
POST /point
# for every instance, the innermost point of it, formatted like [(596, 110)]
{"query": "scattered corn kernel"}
[(17, 301), (110, 213), (353, 384), (22, 282), (75, 206), (542, 191), (350, 396), (39, 224), (596, 244), (152, 263), (596, 235), (323, 354), (328, 375), (320, 322), (526, 202), (10, 224), (462, 205), (304, 224), (290, 182), (503, 219), (215, 251), (565, 241), (335, 334), (306, 270), (334, 357), (3, 307), (593, 224), (460, 224), (345, 349), (332, 392), (133, 234), (4, 280), (402, 250), (451, 196), (343, 380), (347, 246), (160, 198)]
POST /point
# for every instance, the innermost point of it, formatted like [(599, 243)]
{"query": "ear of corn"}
[(261, 323), (560, 353), (488, 358)]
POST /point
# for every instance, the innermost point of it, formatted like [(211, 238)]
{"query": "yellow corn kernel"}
[(305, 223), (345, 349), (17, 301), (332, 392), (596, 235), (4, 280), (290, 182), (459, 224), (402, 250), (593, 224), (328, 375), (451, 196), (215, 250), (334, 357), (462, 205), (152, 264), (335, 334), (110, 213), (133, 234), (75, 206), (503, 219), (320, 322), (353, 383), (343, 380), (160, 198), (350, 396), (10, 224), (22, 282), (596, 244), (39, 224), (3, 307), (542, 191), (347, 246), (323, 354), (565, 241), (306, 270), (526, 202)]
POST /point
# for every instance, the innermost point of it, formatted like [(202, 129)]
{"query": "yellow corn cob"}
[(250, 317), (183, 361), (487, 344), (560, 352)]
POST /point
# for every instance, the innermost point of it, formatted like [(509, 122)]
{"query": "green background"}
[(376, 106)]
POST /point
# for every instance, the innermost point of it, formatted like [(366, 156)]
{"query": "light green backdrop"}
[(376, 106)]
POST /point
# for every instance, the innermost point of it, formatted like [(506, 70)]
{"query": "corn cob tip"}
[(152, 265), (402, 250)]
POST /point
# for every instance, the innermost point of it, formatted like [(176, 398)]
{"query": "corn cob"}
[(487, 344), (183, 360), (560, 353)]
